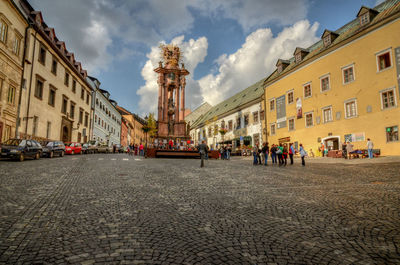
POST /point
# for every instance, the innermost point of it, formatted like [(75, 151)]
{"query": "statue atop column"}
[(171, 94)]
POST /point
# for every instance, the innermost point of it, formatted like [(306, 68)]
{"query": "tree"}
[(149, 128)]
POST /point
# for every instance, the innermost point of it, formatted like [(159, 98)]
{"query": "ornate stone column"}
[(165, 103), (183, 85), (160, 96)]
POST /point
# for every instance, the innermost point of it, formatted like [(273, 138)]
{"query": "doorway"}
[(332, 143), (66, 130)]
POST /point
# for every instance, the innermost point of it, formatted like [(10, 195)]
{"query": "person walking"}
[(255, 154), (273, 154), (141, 149), (291, 153), (284, 155), (228, 152), (370, 147), (303, 153), (265, 151), (349, 149), (259, 154), (279, 152), (203, 151)]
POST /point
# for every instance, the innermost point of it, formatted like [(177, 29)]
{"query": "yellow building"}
[(12, 38), (56, 99), (343, 88), (135, 125)]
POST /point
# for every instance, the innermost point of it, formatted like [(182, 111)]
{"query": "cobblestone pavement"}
[(117, 209)]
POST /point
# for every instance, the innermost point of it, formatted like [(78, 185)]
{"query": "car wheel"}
[(62, 153), (51, 154), (37, 156), (21, 157)]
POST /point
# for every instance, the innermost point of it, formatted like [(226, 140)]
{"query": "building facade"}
[(106, 127), (12, 39), (344, 88), (239, 115), (194, 116), (55, 101)]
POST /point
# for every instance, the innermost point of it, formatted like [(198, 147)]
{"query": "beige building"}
[(134, 124), (56, 99), (12, 37)]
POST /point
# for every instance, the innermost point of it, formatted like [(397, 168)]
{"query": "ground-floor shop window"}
[(392, 134)]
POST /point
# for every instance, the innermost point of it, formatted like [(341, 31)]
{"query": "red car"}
[(72, 148)]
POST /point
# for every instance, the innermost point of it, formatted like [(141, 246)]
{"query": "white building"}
[(240, 115), (106, 125)]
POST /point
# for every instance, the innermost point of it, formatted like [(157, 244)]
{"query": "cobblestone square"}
[(119, 209)]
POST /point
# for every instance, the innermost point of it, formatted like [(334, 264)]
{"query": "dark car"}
[(52, 148), (21, 149)]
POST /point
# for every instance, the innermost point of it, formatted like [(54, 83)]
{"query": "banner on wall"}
[(354, 137), (299, 108), (281, 111)]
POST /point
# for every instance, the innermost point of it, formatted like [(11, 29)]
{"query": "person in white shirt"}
[(370, 146)]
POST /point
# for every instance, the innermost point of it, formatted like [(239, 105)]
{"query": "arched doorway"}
[(65, 134), (332, 142)]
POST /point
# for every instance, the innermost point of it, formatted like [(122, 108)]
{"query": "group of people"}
[(279, 154), (225, 152), (136, 149)]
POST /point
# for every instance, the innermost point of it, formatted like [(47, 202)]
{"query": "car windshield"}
[(49, 144), (70, 144), (15, 142)]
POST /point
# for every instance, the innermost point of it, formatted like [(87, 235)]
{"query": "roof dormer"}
[(61, 46), (71, 57), (281, 65), (51, 33), (366, 15), (78, 66), (328, 37), (84, 73), (37, 15), (299, 54)]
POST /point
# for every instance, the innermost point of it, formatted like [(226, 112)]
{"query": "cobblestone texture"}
[(103, 209)]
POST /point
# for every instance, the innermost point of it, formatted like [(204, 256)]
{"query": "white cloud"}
[(91, 27), (194, 52), (253, 61)]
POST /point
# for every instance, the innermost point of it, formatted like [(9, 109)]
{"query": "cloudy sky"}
[(227, 44)]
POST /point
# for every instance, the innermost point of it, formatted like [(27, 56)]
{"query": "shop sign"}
[(284, 140), (354, 137)]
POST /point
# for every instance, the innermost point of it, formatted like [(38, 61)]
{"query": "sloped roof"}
[(198, 112), (385, 9), (249, 94)]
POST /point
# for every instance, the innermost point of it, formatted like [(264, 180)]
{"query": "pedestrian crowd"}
[(278, 153)]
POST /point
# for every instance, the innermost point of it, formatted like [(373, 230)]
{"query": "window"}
[(388, 98), (64, 105), (327, 40), (95, 118), (82, 93), (272, 129), (238, 122), (246, 120), (255, 117), (307, 90), (325, 83), (39, 88), (348, 74), (52, 96), (350, 108), (364, 19), (215, 129), (1, 88), (298, 57), (87, 98), (74, 85), (42, 54), (290, 97), (291, 124), (3, 31), (392, 134), (384, 60), (11, 95), (35, 125), (48, 131), (271, 104), (262, 113), (230, 127), (97, 101), (66, 78), (222, 124), (309, 119), (80, 115), (54, 66), (86, 119), (327, 114), (72, 110), (209, 132), (17, 45)]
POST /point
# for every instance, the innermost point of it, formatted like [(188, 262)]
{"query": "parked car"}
[(72, 148), (85, 149), (119, 148), (51, 148), (103, 148), (21, 149)]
